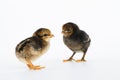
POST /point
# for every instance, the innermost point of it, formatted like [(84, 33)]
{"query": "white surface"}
[(99, 18)]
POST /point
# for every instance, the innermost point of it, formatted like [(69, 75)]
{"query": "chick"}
[(32, 48), (76, 40)]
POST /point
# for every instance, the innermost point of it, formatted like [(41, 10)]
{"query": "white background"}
[(99, 18)]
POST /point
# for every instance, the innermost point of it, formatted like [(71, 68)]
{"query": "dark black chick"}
[(32, 48), (76, 40)]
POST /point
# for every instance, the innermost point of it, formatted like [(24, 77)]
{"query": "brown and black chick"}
[(76, 40), (33, 47)]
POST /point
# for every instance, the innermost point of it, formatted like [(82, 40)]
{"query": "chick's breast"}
[(72, 44)]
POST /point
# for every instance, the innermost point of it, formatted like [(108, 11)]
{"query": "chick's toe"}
[(80, 60), (68, 60)]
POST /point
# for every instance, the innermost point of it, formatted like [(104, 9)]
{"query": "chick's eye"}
[(68, 31), (45, 35)]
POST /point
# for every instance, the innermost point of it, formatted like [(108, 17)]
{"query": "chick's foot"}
[(81, 60), (32, 67), (68, 60)]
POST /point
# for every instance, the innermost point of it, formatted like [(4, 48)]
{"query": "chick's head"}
[(67, 30), (44, 34)]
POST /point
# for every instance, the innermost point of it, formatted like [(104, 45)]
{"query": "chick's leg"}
[(31, 66), (82, 59), (70, 59)]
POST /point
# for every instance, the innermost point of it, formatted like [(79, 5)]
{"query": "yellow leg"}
[(32, 67), (83, 58), (70, 59)]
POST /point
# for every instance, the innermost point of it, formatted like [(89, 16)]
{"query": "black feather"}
[(77, 39), (32, 41), (23, 44)]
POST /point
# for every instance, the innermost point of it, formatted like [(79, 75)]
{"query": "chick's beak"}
[(51, 35), (62, 32)]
